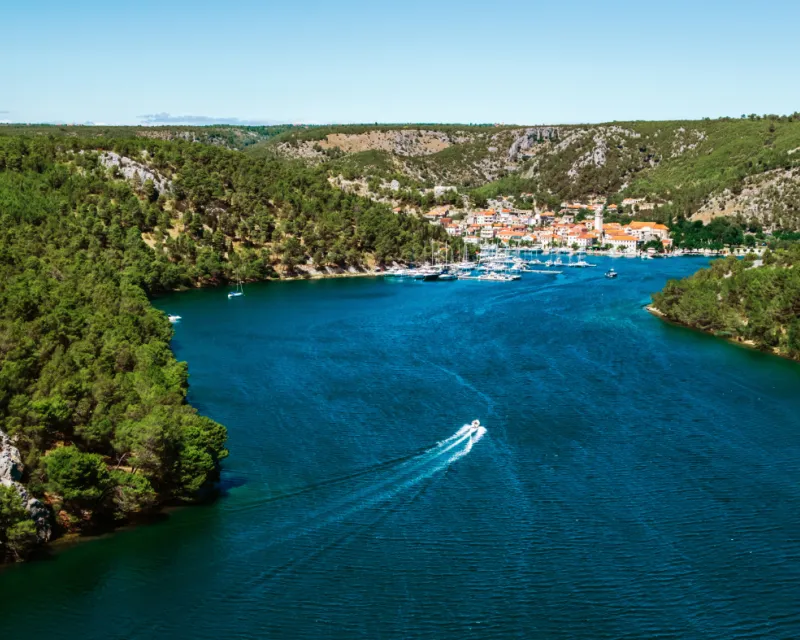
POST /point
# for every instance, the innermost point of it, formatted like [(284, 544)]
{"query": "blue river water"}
[(636, 479)]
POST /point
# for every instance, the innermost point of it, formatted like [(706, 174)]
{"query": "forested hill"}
[(90, 393), (747, 167), (752, 301), (226, 136), (214, 213)]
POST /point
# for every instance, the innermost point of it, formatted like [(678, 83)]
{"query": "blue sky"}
[(512, 61)]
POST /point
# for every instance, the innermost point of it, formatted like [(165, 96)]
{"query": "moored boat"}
[(238, 292)]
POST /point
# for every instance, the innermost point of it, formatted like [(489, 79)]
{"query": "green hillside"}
[(228, 136), (732, 166), (96, 220), (677, 165), (90, 228), (752, 301)]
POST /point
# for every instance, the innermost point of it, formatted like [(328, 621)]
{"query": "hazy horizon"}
[(236, 122)]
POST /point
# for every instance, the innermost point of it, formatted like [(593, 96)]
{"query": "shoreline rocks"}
[(11, 469)]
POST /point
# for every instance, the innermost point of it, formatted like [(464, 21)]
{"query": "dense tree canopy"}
[(742, 299), (89, 389), (17, 530), (720, 232)]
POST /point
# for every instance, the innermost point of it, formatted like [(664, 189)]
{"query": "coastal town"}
[(577, 226), (509, 241)]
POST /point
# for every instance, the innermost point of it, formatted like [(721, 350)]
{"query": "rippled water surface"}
[(635, 480)]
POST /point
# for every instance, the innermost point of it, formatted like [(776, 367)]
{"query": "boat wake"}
[(325, 484), (392, 480), (394, 486), (392, 490), (405, 476), (375, 487)]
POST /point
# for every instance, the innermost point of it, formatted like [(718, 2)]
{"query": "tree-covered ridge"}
[(684, 167), (271, 216), (747, 300), (320, 132), (419, 155), (227, 136), (748, 166), (224, 213), (90, 392)]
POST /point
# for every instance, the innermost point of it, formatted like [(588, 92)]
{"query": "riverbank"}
[(752, 302), (318, 275), (735, 340), (59, 537), (320, 381)]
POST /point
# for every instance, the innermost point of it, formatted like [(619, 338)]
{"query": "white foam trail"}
[(397, 481), (462, 435), (391, 484), (384, 490), (397, 466), (473, 436), (462, 431), (461, 453), (401, 464), (476, 435)]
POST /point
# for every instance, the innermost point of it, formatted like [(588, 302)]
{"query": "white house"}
[(645, 231), (623, 243), (585, 240)]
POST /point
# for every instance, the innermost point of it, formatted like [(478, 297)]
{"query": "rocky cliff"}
[(771, 198), (11, 472)]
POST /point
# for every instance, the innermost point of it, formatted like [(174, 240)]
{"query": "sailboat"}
[(239, 291), (431, 271), (446, 273)]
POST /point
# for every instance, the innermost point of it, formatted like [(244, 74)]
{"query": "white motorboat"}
[(397, 272), (497, 277)]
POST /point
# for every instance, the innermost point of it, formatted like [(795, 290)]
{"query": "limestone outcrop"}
[(11, 468)]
